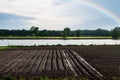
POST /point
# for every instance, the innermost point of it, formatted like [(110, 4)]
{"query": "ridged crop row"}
[(46, 61)]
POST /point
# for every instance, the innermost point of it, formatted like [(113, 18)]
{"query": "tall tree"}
[(116, 33), (66, 32), (34, 30)]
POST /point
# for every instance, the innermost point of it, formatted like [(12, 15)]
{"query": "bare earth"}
[(61, 61)]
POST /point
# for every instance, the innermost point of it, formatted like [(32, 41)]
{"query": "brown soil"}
[(52, 61)]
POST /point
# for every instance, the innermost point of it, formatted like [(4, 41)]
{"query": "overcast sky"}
[(57, 14)]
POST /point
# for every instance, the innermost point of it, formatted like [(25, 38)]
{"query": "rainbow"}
[(99, 8)]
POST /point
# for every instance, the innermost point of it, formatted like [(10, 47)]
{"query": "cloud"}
[(51, 14), (8, 16), (103, 23), (8, 20)]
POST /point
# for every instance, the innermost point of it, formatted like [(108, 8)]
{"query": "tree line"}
[(34, 31)]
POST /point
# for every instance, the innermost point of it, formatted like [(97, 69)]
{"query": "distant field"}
[(39, 37)]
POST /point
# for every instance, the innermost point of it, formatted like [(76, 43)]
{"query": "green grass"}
[(8, 77), (41, 78), (115, 78), (10, 47), (4, 47), (91, 37), (57, 37), (28, 37)]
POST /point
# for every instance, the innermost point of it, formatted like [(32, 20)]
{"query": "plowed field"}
[(83, 61)]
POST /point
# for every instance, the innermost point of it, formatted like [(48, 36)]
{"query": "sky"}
[(58, 14)]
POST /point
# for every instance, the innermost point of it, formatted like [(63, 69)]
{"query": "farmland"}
[(61, 61)]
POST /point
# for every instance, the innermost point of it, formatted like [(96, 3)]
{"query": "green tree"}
[(1, 33), (34, 30), (116, 33), (78, 33), (66, 32)]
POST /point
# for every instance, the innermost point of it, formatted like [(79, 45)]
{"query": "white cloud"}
[(51, 14)]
